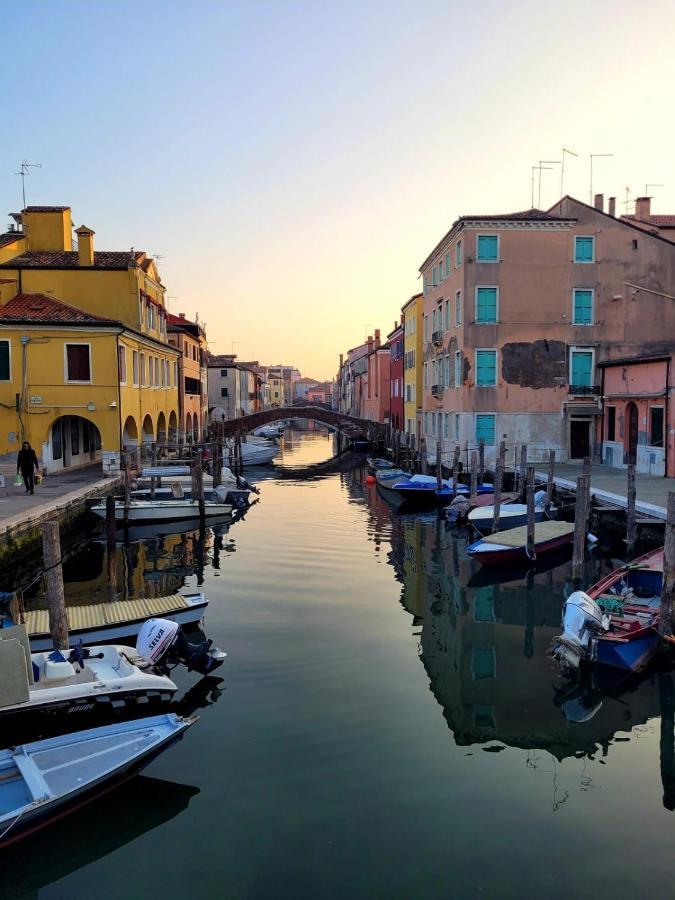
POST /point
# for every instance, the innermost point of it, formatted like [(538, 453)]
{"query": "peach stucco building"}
[(521, 310)]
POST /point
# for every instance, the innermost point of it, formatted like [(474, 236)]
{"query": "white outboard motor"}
[(162, 642), (582, 621)]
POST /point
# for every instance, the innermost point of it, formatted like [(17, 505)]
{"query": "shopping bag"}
[(18, 480)]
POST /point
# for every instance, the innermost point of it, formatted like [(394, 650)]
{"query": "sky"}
[(293, 163)]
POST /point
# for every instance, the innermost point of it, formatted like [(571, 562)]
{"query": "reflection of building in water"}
[(485, 648)]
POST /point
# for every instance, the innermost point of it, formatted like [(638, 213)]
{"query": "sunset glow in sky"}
[(294, 162)]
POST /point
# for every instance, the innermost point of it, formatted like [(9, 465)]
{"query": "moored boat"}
[(511, 514), (41, 781), (511, 546), (615, 622), (163, 510), (422, 491)]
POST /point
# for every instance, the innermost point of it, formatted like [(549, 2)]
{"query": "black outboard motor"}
[(163, 643)]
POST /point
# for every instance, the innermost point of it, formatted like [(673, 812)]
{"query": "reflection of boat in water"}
[(163, 529), (97, 831)]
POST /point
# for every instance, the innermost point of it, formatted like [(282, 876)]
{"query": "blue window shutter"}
[(583, 249), (487, 248), (486, 305), (583, 307), (486, 368), (485, 428), (582, 368)]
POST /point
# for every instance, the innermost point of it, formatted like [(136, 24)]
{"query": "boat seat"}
[(58, 669)]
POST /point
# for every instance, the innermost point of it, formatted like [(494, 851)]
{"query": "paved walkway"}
[(612, 485), (56, 492)]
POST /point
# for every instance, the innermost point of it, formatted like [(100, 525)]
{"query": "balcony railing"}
[(437, 337), (584, 390)]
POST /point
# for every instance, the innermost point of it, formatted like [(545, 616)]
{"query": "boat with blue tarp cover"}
[(422, 491)]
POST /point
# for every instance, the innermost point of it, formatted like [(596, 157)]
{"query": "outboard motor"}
[(582, 621), (163, 643), (246, 485)]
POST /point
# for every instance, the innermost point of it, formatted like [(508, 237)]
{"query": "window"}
[(5, 362), (581, 368), (426, 375), (458, 254), (486, 304), (156, 371), (656, 426), (611, 423), (447, 263), (122, 364), (447, 315), (223, 373), (151, 371), (175, 374), (143, 369), (584, 249), (78, 362), (426, 284), (485, 428), (458, 369), (446, 425), (487, 248), (483, 663), (458, 308), (486, 368), (456, 426), (134, 363), (426, 327), (434, 276), (582, 312)]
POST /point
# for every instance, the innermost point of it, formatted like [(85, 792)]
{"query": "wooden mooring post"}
[(111, 546), (529, 493), (481, 461), (198, 483), (580, 518), (631, 523), (499, 479), (522, 472), (127, 492), (439, 471), (153, 480), (550, 481), (455, 467), (51, 551), (668, 589), (473, 491)]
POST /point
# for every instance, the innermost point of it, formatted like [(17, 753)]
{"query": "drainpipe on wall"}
[(23, 400), (602, 416), (666, 424)]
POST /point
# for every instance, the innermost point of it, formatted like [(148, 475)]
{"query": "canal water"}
[(387, 724)]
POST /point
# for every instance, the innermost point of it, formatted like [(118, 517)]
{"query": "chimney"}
[(643, 207), (181, 315), (85, 245), (370, 343), (612, 207), (599, 202), (377, 337)]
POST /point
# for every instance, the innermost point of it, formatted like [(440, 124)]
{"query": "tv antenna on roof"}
[(534, 169), (562, 167), (25, 166)]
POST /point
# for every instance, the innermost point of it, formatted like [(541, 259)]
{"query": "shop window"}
[(656, 426)]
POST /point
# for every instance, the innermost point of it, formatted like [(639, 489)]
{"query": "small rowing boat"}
[(511, 546)]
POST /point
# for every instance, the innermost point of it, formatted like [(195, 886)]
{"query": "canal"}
[(387, 724)]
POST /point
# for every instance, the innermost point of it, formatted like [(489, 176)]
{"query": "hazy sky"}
[(294, 162)]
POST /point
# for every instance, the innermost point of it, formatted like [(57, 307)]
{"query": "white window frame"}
[(499, 247), (574, 307), (123, 380), (135, 369), (579, 348), (459, 254), (478, 350), (483, 287), (582, 262), (67, 380), (458, 308), (7, 341)]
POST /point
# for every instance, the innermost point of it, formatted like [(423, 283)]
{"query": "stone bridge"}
[(348, 425)]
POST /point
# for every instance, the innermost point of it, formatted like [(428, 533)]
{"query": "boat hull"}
[(508, 555), (164, 511), (632, 654)]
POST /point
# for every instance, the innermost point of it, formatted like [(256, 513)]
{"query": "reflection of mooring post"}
[(631, 525), (111, 544), (200, 551), (499, 480), (127, 492), (668, 589), (51, 550), (529, 616), (667, 740), (198, 480), (580, 518), (529, 495), (550, 475)]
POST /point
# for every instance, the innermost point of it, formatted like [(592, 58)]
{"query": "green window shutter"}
[(486, 368), (486, 305), (484, 605), (447, 263), (458, 254), (485, 428), (483, 663), (486, 250), (582, 368), (4, 361), (583, 249), (583, 307)]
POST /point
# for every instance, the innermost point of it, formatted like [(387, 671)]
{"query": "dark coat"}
[(26, 460)]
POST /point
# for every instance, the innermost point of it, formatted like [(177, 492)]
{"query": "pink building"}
[(376, 403), (638, 413), (519, 311), (395, 341)]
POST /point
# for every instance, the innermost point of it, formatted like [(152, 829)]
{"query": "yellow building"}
[(412, 317), (85, 364), (276, 385)]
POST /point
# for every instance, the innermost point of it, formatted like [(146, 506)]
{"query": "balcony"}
[(436, 390), (437, 337), (584, 390)]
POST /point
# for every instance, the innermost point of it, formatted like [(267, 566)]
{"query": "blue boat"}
[(42, 781), (616, 622), (422, 492)]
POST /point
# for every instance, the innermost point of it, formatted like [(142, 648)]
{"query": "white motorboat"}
[(93, 623), (255, 451), (79, 680), (271, 431), (41, 781), (163, 510), (233, 490)]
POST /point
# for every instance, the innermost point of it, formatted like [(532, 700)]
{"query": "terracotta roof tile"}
[(658, 221), (39, 308), (68, 259), (9, 237), (46, 209)]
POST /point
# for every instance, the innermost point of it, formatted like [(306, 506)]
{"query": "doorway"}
[(632, 416), (580, 438)]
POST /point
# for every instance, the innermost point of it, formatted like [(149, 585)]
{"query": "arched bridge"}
[(348, 425)]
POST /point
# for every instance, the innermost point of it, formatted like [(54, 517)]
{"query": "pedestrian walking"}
[(27, 464)]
